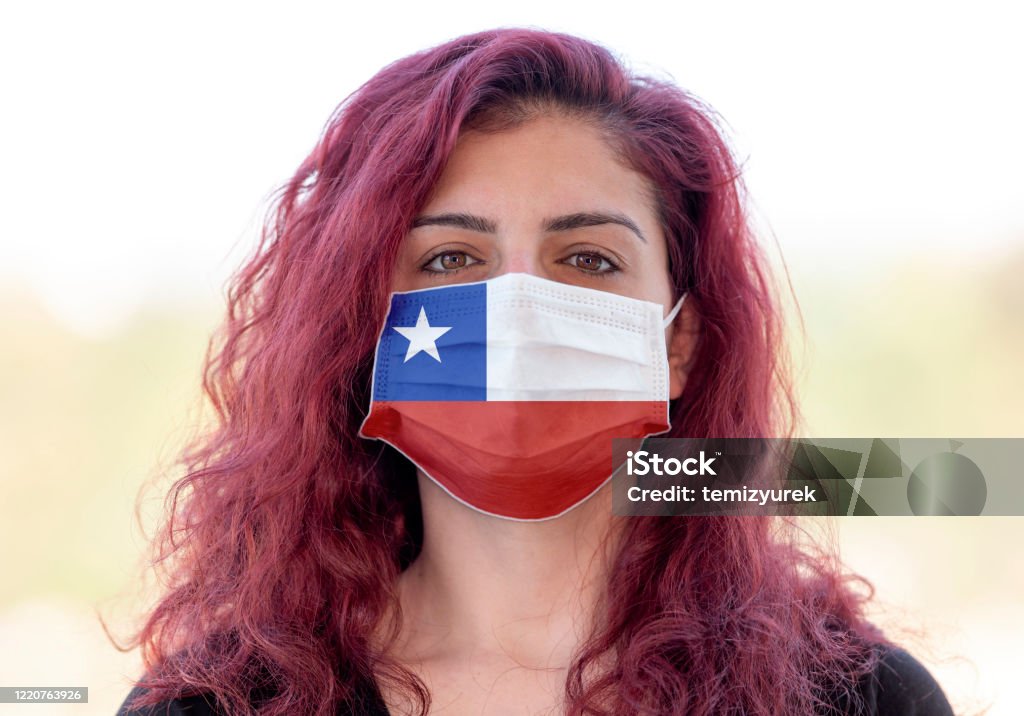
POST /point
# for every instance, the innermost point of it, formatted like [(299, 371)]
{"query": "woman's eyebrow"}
[(457, 220), (567, 222), (593, 218)]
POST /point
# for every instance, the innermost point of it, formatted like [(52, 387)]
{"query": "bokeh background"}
[(139, 144)]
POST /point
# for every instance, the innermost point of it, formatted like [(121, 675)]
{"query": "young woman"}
[(343, 544)]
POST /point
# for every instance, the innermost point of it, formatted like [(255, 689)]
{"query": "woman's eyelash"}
[(424, 268), (600, 254), (613, 265)]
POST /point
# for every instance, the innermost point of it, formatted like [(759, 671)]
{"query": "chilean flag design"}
[(508, 392)]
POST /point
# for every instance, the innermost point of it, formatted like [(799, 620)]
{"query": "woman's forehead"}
[(547, 166)]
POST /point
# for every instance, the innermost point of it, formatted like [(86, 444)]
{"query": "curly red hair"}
[(287, 532)]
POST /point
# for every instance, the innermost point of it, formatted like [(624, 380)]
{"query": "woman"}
[(317, 570)]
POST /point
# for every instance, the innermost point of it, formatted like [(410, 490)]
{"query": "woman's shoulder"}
[(368, 703), (198, 705), (900, 684)]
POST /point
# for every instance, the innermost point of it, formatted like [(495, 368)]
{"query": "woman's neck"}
[(487, 586)]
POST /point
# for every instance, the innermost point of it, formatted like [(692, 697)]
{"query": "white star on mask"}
[(422, 337)]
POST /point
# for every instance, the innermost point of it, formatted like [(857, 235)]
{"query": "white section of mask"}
[(548, 340)]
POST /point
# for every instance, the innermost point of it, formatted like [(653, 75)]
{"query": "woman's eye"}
[(449, 261), (591, 262)]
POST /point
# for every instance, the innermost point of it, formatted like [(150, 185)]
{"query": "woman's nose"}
[(520, 262)]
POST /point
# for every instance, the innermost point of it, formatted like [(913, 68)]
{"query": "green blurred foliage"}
[(84, 423), (927, 348)]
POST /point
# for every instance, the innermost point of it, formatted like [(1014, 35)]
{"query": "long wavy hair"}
[(285, 535)]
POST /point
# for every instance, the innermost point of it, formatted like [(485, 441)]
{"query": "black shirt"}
[(899, 686)]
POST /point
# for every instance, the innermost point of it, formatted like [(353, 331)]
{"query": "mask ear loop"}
[(675, 309)]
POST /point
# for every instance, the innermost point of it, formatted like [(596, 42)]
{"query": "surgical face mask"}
[(508, 392)]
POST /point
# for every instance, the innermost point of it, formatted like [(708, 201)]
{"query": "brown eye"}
[(448, 261), (594, 263), (452, 261)]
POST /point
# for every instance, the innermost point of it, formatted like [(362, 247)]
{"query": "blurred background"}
[(139, 144)]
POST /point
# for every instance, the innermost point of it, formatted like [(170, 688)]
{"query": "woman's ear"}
[(682, 337)]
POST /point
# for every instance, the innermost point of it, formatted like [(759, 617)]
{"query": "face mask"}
[(507, 392)]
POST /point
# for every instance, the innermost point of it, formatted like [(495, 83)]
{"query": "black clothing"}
[(899, 686)]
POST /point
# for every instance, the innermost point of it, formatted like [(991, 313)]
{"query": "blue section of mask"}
[(461, 372)]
